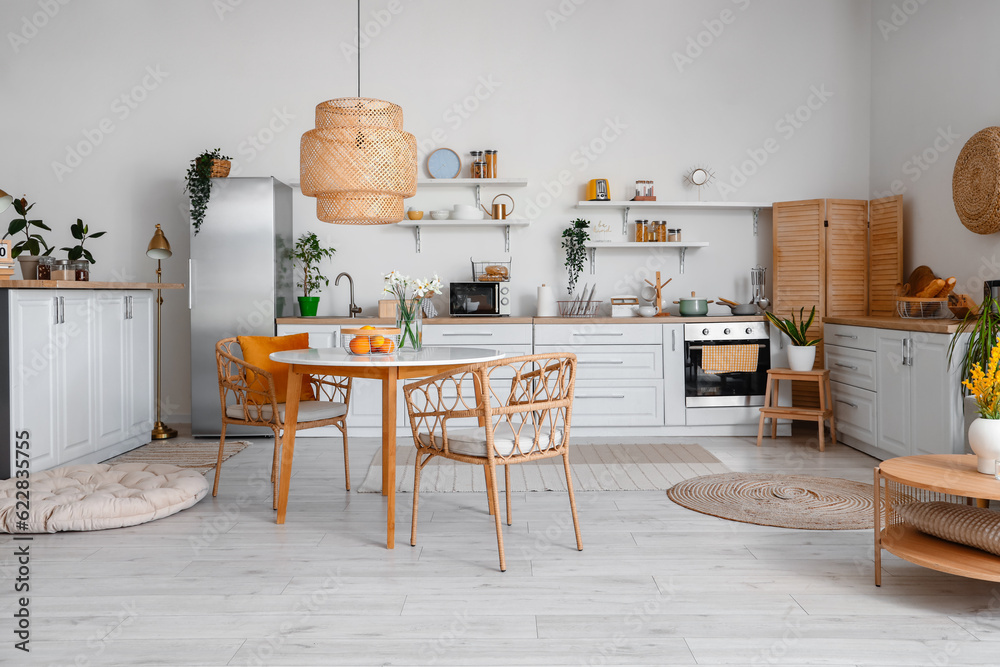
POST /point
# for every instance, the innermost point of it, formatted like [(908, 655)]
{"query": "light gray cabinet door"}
[(141, 378), (110, 316), (34, 414), (75, 339), (673, 375), (893, 382), (936, 404)]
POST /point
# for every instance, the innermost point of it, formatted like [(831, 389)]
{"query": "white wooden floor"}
[(656, 584)]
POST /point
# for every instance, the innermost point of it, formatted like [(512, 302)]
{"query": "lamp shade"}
[(159, 246), (5, 201), (358, 162)]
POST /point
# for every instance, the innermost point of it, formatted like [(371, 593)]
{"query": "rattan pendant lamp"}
[(358, 163)]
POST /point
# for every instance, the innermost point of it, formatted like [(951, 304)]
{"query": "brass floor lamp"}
[(159, 249)]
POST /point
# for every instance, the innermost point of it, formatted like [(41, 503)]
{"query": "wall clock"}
[(444, 163)]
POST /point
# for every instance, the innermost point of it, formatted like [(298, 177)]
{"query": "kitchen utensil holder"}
[(490, 272)]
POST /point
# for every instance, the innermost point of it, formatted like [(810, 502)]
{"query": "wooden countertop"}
[(673, 319), (83, 284), (948, 326)]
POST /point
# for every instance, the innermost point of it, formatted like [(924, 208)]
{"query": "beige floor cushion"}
[(98, 496), (972, 526)]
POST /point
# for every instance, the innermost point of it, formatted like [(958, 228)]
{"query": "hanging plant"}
[(199, 182), (574, 237)]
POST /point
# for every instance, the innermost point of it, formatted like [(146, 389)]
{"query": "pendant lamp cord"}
[(359, 48)]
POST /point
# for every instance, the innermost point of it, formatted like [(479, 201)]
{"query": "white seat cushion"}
[(309, 411), (472, 441)]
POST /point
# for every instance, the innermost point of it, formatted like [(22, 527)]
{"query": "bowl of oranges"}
[(369, 340)]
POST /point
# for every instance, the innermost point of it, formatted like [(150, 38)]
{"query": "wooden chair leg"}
[(572, 501), (833, 427), (489, 498), (347, 462), (218, 463), (491, 484), (506, 489), (767, 404), (416, 497), (775, 398)]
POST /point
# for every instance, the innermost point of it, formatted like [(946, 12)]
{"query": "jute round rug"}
[(785, 501)]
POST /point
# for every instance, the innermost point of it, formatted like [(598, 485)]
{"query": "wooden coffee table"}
[(943, 477)]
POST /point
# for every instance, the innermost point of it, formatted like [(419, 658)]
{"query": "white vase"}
[(801, 357), (984, 438)]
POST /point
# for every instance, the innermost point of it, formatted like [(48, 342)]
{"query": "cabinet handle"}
[(847, 403), (600, 395), (673, 340), (62, 310), (55, 310), (191, 284), (846, 336), (600, 363), (469, 333), (853, 368), (129, 306), (909, 351), (619, 333)]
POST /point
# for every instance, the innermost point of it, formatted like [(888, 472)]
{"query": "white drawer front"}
[(851, 366), (598, 334), (477, 334), (600, 362), (618, 403), (862, 338), (854, 410), (320, 335)]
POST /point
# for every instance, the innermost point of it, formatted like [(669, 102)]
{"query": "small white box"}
[(624, 305)]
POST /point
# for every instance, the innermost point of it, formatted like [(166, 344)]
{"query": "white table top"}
[(427, 356)]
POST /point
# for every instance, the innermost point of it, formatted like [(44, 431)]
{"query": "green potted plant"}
[(573, 241), (205, 167), (308, 253), (802, 353), (81, 233), (981, 328), (29, 249)]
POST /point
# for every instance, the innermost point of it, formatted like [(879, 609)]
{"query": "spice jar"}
[(45, 267), (63, 270), (674, 235), (81, 270), (640, 231), (491, 163), (478, 166)]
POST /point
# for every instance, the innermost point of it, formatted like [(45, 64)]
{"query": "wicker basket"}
[(371, 342), (921, 308), (490, 272), (578, 308), (220, 168)]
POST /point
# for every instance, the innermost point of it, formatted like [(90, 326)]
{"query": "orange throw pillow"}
[(257, 352)]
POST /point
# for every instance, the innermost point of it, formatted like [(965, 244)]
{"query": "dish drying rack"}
[(582, 306)]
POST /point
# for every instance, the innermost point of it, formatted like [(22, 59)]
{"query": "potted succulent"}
[(81, 233), (308, 253), (573, 241), (29, 249), (802, 353), (205, 167)]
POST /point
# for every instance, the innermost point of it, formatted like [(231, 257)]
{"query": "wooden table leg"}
[(822, 414), (288, 441), (767, 404), (389, 452), (776, 399)]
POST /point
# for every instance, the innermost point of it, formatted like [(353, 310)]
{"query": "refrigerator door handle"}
[(190, 284)]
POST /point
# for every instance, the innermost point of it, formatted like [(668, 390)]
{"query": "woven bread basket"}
[(975, 184)]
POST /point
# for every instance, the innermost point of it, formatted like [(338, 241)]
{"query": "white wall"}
[(555, 85), (934, 75)]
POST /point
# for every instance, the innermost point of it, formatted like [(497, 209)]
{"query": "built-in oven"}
[(479, 299), (725, 364)]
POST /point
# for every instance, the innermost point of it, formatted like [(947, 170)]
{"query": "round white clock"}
[(444, 163)]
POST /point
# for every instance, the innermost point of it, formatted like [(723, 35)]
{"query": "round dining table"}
[(389, 368)]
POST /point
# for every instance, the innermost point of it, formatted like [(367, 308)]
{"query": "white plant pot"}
[(984, 438), (801, 357)]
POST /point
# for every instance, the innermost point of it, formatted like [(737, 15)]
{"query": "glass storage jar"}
[(491, 163), (63, 270), (45, 267), (640, 231), (81, 270), (674, 235)]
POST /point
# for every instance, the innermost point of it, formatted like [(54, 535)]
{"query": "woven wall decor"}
[(975, 185), (358, 162)]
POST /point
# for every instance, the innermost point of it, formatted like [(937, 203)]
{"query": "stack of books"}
[(6, 261)]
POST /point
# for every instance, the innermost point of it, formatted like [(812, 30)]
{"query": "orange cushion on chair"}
[(257, 352)]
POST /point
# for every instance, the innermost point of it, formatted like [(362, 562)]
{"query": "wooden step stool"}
[(776, 412)]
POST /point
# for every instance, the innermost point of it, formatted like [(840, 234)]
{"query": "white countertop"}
[(427, 356)]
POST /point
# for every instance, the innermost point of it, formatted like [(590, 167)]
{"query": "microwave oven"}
[(475, 299)]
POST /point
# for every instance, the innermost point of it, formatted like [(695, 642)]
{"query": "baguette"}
[(931, 290), (949, 287)]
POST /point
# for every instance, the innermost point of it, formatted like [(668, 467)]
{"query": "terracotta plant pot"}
[(308, 305)]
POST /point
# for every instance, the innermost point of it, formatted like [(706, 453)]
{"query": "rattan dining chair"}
[(256, 405), (523, 406)]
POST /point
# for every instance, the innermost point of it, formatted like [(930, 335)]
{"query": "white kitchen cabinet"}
[(320, 335), (78, 376), (674, 408), (894, 392)]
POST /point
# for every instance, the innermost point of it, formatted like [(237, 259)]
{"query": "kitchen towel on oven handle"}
[(717, 359)]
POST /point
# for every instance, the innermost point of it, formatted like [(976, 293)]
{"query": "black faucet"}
[(355, 310)]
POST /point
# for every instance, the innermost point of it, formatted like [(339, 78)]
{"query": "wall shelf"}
[(477, 183), (626, 206), (682, 246), (506, 224)]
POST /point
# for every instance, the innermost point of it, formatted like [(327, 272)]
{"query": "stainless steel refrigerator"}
[(240, 278)]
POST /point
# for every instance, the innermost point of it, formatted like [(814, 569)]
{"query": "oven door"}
[(702, 389), (474, 299)]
